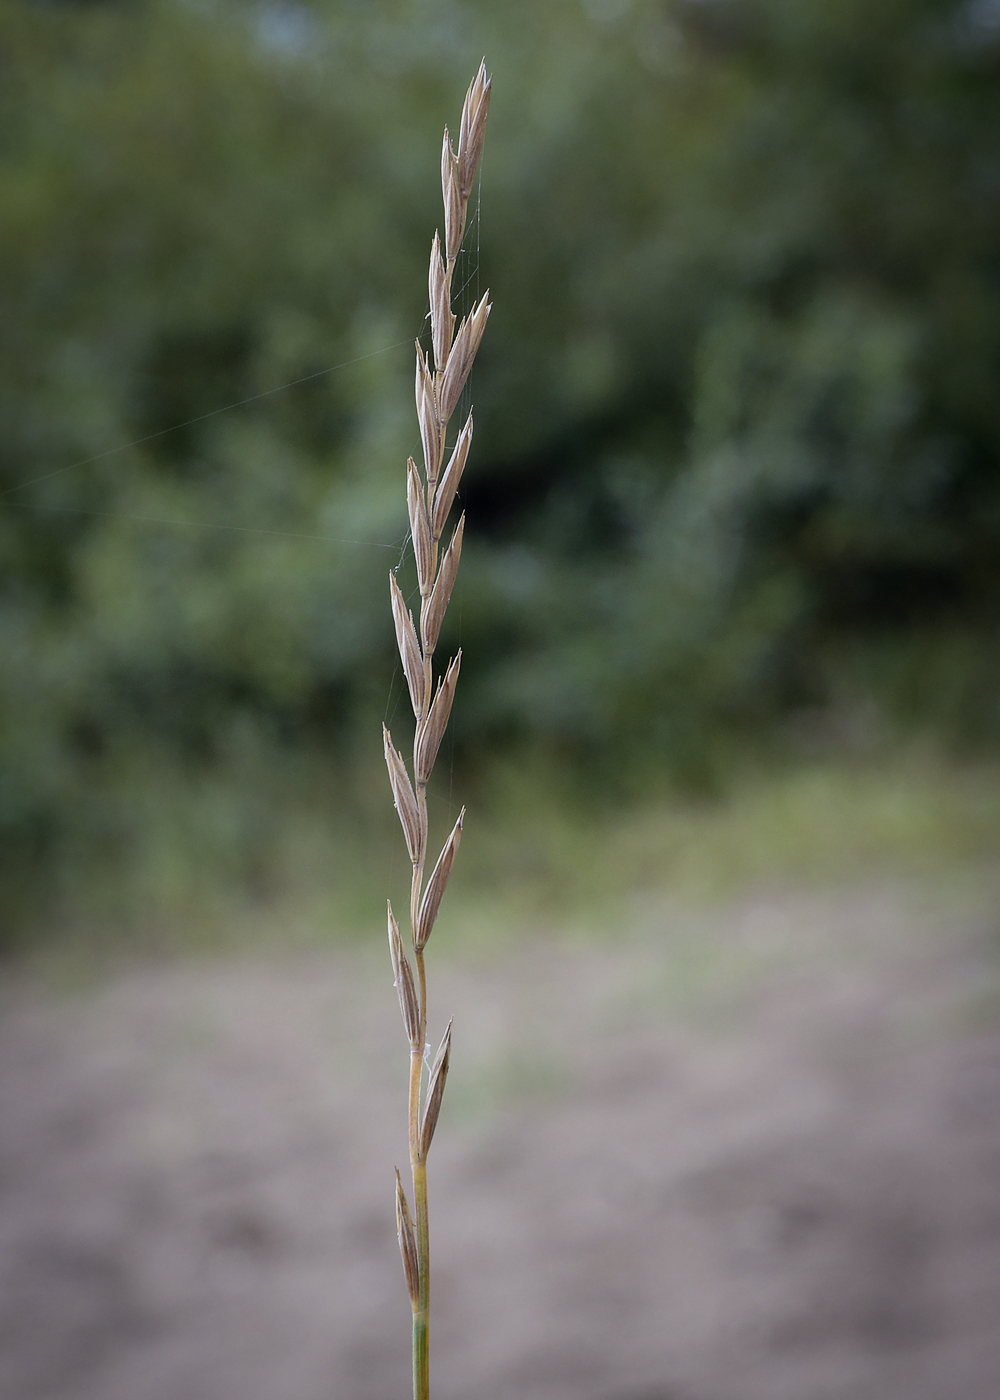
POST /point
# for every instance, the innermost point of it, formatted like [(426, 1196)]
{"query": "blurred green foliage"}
[(735, 477)]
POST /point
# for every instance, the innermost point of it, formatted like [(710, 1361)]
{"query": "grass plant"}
[(430, 495)]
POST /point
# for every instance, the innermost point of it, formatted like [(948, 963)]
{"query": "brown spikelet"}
[(427, 416), (473, 130), (454, 205), (463, 352), (404, 799), (435, 1091), (431, 902), (409, 649), (431, 732), (420, 529), (449, 483), (407, 1243), (403, 980), (434, 609), (442, 317)]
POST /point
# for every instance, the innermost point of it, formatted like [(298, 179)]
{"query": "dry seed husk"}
[(409, 650), (454, 206), (420, 529), (404, 799), (435, 1091), (427, 416), (407, 1242), (450, 480), (433, 894), (431, 732), (433, 611), (403, 978), (473, 129), (442, 316), (463, 352)]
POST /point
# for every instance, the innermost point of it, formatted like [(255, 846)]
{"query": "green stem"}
[(418, 1168), (421, 1376), (421, 1314)]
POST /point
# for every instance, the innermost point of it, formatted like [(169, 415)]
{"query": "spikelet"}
[(433, 611), (403, 796), (442, 316), (403, 978), (420, 529), (454, 208), (435, 1091), (433, 894), (409, 649), (427, 417), (445, 494), (431, 732), (473, 130), (463, 352), (407, 1243)]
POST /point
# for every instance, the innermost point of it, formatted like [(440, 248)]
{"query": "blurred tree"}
[(776, 307), (738, 423)]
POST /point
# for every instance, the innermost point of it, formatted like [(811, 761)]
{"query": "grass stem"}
[(429, 498)]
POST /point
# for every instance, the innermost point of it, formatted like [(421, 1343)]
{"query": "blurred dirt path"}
[(747, 1155)]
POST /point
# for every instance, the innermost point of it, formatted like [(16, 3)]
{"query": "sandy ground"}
[(721, 1156)]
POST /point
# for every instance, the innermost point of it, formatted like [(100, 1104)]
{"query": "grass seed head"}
[(429, 499)]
